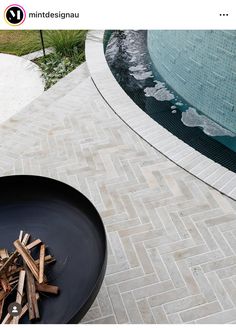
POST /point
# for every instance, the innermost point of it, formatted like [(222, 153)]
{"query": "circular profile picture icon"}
[(14, 309), (15, 15)]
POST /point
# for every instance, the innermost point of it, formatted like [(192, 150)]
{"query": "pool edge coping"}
[(176, 150)]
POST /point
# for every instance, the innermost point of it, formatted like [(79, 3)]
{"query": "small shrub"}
[(66, 42), (55, 66), (68, 53)]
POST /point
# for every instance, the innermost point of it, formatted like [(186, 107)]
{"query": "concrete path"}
[(20, 83), (37, 54), (171, 238)]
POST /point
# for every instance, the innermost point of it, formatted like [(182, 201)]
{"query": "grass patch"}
[(19, 42)]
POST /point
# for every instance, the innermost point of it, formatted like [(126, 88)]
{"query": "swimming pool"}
[(128, 58)]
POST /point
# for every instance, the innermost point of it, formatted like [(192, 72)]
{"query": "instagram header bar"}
[(122, 14)]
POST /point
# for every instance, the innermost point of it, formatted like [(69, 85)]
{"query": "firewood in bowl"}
[(23, 278)]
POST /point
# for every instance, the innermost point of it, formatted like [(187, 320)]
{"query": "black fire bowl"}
[(73, 232)]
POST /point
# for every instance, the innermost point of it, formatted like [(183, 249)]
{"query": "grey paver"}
[(146, 313), (184, 303), (200, 311)]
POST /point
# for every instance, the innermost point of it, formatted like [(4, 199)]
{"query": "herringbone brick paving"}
[(171, 238)]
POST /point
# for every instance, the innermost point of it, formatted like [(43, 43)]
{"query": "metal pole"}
[(41, 37)]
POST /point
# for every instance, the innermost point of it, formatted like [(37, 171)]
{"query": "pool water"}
[(128, 58)]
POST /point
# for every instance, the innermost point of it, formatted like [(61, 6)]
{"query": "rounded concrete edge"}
[(21, 83), (153, 133)]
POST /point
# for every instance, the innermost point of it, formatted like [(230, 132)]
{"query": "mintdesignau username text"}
[(59, 14)]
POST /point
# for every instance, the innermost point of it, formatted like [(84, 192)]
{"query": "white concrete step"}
[(57, 91)]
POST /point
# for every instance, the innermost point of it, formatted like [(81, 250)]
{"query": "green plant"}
[(19, 42), (66, 42), (68, 53), (55, 66)]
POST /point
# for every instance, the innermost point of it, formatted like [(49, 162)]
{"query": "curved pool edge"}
[(186, 157)]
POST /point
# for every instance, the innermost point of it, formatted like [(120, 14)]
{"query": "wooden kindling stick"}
[(31, 295), (27, 258), (4, 253), (21, 235), (1, 307), (26, 239), (2, 295), (26, 307), (33, 244), (48, 258), (9, 262), (19, 294), (47, 288), (41, 263)]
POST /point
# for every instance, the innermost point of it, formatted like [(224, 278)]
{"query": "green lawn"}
[(19, 42)]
